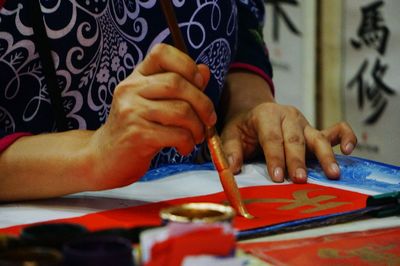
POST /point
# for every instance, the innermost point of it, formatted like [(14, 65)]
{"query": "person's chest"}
[(97, 44)]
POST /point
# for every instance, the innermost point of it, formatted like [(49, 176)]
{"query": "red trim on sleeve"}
[(256, 70), (6, 141), (2, 2)]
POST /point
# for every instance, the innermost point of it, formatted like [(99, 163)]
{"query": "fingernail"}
[(301, 175), (198, 79), (278, 174), (213, 119), (231, 163), (335, 168), (230, 160), (349, 147), (201, 140)]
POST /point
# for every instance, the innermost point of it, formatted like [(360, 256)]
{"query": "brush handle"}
[(214, 143)]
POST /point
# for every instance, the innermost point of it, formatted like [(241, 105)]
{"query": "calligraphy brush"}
[(214, 143)]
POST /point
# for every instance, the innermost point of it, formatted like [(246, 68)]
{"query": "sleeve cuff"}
[(255, 70), (6, 141)]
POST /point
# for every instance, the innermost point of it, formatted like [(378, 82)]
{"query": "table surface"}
[(177, 185)]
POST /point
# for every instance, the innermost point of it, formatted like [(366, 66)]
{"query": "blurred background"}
[(339, 60)]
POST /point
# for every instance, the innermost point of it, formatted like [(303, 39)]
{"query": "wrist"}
[(243, 91), (95, 161), (86, 160)]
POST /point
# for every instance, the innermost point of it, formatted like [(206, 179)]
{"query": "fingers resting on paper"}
[(286, 138)]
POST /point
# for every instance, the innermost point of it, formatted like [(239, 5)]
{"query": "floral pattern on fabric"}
[(95, 45)]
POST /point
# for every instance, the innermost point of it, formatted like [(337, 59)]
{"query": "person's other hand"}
[(285, 137), (161, 104)]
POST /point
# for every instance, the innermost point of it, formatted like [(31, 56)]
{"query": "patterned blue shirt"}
[(97, 44)]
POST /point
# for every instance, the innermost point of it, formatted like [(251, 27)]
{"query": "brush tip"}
[(247, 215)]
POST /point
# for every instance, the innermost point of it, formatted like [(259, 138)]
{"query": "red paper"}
[(269, 204), (376, 247)]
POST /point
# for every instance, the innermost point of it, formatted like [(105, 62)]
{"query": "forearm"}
[(46, 165), (244, 90)]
